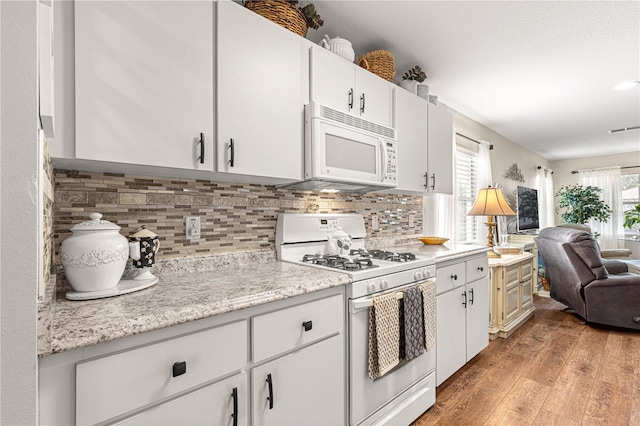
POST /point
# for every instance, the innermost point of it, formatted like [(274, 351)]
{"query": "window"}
[(466, 191), (630, 186)]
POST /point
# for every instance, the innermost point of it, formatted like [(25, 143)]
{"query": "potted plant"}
[(582, 203), (411, 81), (286, 14), (632, 218)]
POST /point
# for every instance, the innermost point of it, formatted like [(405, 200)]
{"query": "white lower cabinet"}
[(462, 309), (301, 388), (223, 403), (202, 372)]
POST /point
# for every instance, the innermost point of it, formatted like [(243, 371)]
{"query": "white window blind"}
[(466, 191)]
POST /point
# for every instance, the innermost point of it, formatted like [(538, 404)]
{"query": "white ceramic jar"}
[(95, 255)]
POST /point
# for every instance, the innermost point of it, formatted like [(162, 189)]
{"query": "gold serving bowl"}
[(433, 240)]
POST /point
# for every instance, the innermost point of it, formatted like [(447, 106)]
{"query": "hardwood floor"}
[(554, 370)]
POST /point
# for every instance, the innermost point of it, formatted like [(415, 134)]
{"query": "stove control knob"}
[(427, 273), (384, 284), (371, 288), (417, 275)]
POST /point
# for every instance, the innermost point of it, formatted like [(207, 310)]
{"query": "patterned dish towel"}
[(384, 335), (412, 327), (428, 290)]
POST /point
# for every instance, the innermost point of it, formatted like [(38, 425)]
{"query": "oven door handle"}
[(361, 303)]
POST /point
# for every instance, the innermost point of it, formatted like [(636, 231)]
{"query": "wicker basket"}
[(281, 12), (379, 62)]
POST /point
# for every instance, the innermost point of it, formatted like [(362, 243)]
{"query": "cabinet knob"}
[(179, 368), (481, 268), (454, 277), (308, 325)]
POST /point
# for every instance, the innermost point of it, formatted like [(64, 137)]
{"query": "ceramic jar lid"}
[(144, 233), (95, 224)]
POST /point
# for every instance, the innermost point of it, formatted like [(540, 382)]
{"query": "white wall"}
[(19, 213)]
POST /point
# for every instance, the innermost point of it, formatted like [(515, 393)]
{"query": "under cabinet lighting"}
[(625, 85), (331, 191)]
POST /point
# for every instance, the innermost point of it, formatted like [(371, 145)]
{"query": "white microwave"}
[(346, 153)]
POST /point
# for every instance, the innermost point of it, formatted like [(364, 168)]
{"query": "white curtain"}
[(609, 181), (544, 183), (484, 180)]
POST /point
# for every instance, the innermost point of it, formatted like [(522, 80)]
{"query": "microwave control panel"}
[(392, 162)]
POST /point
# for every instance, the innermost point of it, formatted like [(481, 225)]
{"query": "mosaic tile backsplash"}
[(234, 217)]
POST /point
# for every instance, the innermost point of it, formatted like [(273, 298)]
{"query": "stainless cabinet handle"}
[(464, 297), (426, 180), (471, 294), (362, 104), (433, 181), (351, 98)]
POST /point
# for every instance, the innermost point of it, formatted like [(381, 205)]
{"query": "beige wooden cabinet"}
[(528, 244), (511, 295)]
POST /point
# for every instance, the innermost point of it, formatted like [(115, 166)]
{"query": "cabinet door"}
[(477, 317), (526, 293), (411, 124), (332, 81), (374, 97), (144, 82), (440, 157), (215, 404), (260, 102), (307, 387), (450, 337), (511, 307)]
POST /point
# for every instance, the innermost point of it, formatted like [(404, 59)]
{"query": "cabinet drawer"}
[(477, 268), (282, 330), (116, 384), (449, 277)]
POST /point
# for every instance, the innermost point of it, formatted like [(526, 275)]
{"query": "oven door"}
[(369, 396), (346, 154)]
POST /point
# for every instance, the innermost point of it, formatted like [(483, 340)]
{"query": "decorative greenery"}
[(582, 203), (632, 217), (309, 11), (416, 74)]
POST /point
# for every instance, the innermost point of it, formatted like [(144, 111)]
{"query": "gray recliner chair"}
[(600, 291), (620, 253)]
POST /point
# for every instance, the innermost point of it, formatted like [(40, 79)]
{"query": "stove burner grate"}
[(340, 262), (392, 256)]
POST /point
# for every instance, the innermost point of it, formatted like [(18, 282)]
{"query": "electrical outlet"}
[(192, 228), (374, 222), (412, 220)]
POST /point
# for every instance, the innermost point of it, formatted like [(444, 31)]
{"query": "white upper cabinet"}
[(411, 125), (261, 95), (144, 83), (440, 156), (342, 85), (425, 145)]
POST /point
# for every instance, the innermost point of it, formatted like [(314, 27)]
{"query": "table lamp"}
[(490, 202)]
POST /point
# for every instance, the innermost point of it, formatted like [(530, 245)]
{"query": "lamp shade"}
[(491, 202)]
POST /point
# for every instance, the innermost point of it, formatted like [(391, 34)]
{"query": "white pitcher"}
[(339, 46)]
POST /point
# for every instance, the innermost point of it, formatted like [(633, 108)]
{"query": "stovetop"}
[(357, 259)]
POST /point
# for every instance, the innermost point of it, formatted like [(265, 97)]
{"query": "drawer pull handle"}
[(454, 277), (481, 268), (234, 394), (179, 368), (308, 325), (464, 296), (270, 397)]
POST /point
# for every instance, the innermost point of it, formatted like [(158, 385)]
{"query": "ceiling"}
[(539, 73)]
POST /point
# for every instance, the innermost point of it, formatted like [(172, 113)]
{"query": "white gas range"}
[(337, 242)]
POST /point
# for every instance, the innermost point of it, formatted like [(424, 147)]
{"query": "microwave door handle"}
[(383, 149)]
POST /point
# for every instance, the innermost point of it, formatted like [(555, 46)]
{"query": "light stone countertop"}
[(181, 295), (195, 288)]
